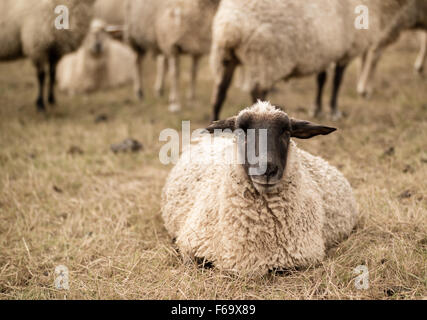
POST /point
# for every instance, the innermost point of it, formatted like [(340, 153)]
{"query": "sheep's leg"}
[(421, 59), (41, 77), (361, 65), (194, 68), (318, 105), (339, 73), (404, 20), (162, 67), (173, 62), (52, 78), (222, 83), (364, 85), (138, 75)]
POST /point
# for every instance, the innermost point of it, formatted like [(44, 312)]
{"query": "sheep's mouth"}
[(264, 187)]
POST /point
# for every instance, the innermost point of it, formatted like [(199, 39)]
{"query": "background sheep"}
[(170, 27), (277, 40), (412, 16), (242, 221), (28, 30), (100, 63)]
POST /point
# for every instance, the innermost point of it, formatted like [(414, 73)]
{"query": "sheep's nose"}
[(98, 47), (271, 171)]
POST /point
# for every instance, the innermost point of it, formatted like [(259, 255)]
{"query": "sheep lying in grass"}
[(100, 63), (170, 28), (28, 30), (412, 16), (284, 218), (277, 40)]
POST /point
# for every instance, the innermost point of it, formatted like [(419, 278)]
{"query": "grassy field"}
[(66, 199)]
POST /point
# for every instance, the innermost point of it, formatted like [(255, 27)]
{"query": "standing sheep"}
[(280, 39), (171, 28), (280, 213), (27, 29), (100, 63), (412, 16)]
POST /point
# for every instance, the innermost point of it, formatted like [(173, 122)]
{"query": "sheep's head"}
[(98, 36), (271, 152)]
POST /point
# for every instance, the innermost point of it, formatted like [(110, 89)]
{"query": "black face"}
[(272, 153)]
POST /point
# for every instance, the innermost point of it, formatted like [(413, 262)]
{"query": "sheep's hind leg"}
[(52, 78), (173, 62), (222, 83), (194, 68), (422, 56), (41, 77), (162, 67), (138, 75), (318, 105), (339, 73)]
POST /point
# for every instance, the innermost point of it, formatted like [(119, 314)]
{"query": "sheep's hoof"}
[(191, 96), (316, 113), (159, 93), (336, 115), (174, 107), (51, 100), (419, 71), (40, 105), (364, 93), (139, 94)]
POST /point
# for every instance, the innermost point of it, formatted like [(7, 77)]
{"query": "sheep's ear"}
[(229, 123), (305, 129), (117, 32)]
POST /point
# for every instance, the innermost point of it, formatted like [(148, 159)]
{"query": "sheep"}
[(28, 30), (412, 16), (248, 220), (100, 63), (280, 39), (171, 28)]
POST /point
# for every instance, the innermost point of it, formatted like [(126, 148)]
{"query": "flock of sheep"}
[(283, 218)]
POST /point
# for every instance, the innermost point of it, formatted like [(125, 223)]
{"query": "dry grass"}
[(98, 213)]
